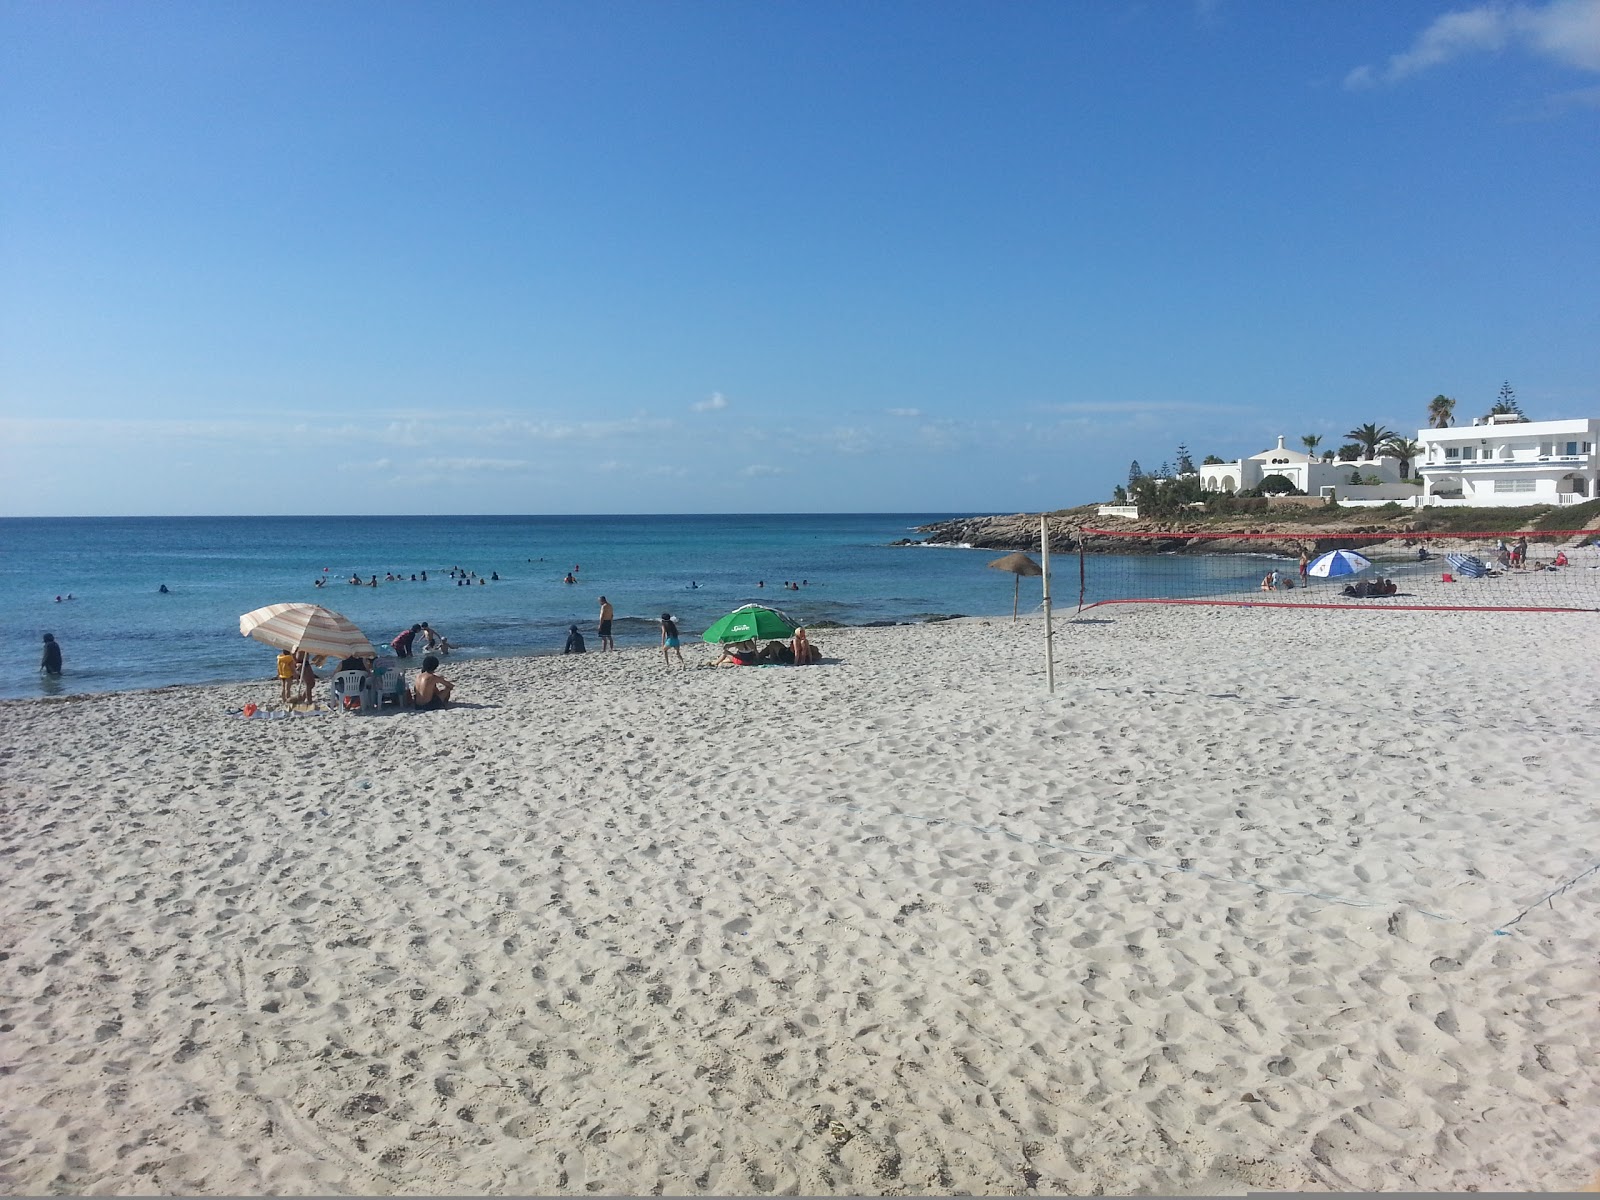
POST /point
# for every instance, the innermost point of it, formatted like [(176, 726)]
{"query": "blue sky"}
[(769, 257)]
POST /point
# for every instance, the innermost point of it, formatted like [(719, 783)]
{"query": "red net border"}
[(1541, 608), (1420, 535), (1311, 535)]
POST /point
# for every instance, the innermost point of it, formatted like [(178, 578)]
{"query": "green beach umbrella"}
[(748, 624)]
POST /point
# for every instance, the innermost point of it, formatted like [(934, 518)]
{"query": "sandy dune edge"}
[(902, 923)]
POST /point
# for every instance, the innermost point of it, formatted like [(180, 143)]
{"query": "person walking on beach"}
[(50, 664), (1305, 561), (605, 625), (669, 641)]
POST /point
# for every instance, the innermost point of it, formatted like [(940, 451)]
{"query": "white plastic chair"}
[(391, 687), (356, 684)]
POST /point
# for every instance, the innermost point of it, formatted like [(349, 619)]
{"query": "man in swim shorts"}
[(605, 625), (431, 690)]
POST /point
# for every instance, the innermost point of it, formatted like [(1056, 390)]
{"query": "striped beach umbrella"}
[(1337, 562), (310, 627)]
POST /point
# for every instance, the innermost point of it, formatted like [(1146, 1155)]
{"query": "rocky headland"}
[(1020, 531)]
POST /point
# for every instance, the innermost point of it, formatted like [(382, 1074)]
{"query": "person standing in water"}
[(669, 641), (50, 664), (606, 616)]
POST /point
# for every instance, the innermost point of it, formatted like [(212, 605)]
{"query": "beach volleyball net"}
[(1550, 571)]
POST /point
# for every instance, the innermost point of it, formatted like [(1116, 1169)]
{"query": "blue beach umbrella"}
[(1336, 563)]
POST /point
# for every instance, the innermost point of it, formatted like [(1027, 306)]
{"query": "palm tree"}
[(1310, 443), (1440, 411), (1404, 449), (1369, 438)]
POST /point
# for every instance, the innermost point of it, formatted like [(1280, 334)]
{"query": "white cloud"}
[(761, 471), (471, 464), (846, 439), (563, 431), (1565, 31), (905, 412), (407, 433), (941, 435), (715, 402)]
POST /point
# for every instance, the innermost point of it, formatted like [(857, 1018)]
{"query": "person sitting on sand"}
[(1269, 581), (775, 652), (737, 654), (804, 653), (431, 690), (574, 641), (1561, 558)]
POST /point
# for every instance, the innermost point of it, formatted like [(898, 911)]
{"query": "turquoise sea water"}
[(118, 631)]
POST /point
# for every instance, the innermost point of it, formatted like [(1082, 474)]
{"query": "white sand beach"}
[(1219, 914)]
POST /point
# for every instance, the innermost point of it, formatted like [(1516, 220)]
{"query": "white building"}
[(1508, 460), (1308, 474)]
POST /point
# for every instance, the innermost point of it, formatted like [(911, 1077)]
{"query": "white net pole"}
[(1049, 645)]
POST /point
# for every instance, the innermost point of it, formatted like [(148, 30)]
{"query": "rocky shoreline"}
[(1020, 531)]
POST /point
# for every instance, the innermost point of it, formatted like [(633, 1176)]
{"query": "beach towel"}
[(253, 712)]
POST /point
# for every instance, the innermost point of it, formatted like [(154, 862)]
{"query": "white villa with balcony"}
[(1310, 475), (1510, 461)]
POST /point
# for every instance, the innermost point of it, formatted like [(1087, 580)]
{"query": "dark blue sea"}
[(118, 631)]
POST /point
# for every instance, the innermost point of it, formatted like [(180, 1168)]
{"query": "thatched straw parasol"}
[(1019, 564)]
